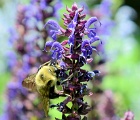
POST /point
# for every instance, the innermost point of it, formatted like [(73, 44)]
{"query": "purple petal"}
[(84, 43), (86, 48), (71, 27), (90, 21), (48, 46), (71, 39), (57, 45), (96, 38), (53, 28), (56, 50), (91, 33), (73, 23), (53, 34), (71, 42), (94, 48), (62, 65)]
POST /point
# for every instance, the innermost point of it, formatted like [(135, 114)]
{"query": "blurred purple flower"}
[(104, 12), (105, 7), (43, 4), (4, 116), (12, 59), (25, 40), (32, 11), (128, 116), (58, 5), (14, 35), (12, 90)]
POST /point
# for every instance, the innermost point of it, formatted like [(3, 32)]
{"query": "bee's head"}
[(46, 76)]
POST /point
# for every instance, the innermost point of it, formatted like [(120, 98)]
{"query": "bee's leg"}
[(55, 93), (53, 105), (60, 92)]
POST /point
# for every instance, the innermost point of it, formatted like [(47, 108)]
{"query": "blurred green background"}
[(123, 52)]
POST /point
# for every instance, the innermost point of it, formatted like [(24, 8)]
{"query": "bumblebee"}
[(44, 82)]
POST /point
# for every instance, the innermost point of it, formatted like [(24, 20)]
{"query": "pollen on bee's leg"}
[(60, 92)]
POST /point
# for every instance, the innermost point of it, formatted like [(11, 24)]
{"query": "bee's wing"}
[(29, 82), (50, 63), (45, 102), (45, 64)]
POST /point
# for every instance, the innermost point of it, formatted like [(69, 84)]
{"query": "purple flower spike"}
[(72, 54), (56, 50), (53, 28)]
